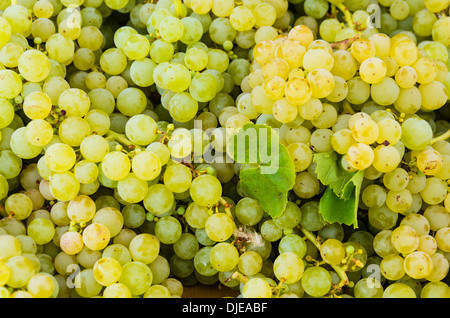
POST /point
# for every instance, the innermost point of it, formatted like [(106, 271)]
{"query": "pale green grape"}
[(399, 290), (202, 262), (141, 72), (224, 257), (206, 190), (96, 236), (132, 189), (131, 101), (146, 165), (168, 229), (82, 208), (196, 215), (257, 288), (107, 271), (41, 230), (186, 246), (219, 227), (137, 276), (316, 281), (21, 270), (159, 199), (136, 47), (86, 285), (10, 247)]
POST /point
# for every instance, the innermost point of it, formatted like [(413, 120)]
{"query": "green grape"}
[(316, 281), (43, 285), (250, 263), (157, 291), (133, 215), (249, 211), (206, 190), (137, 276), (368, 287), (159, 199), (292, 243), (405, 239), (144, 248), (224, 257), (290, 217), (392, 267), (107, 271), (288, 267), (192, 30), (435, 290), (111, 218), (117, 290), (418, 265), (21, 270), (257, 288), (219, 227), (270, 231), (41, 230), (5, 31), (332, 251), (10, 247), (96, 236), (81, 209), (434, 95), (64, 186), (440, 267), (434, 191), (27, 62), (196, 215), (186, 246), (311, 219), (86, 285), (202, 261), (419, 222), (136, 47), (436, 217), (399, 290), (442, 239), (168, 229), (399, 201), (18, 18)]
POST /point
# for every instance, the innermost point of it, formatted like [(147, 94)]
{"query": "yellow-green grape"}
[(435, 290), (73, 130), (321, 82), (157, 291), (4, 274), (310, 109), (39, 132), (406, 77), (94, 148), (137, 276), (386, 158), (19, 206), (10, 247), (116, 165), (5, 31), (21, 270), (18, 17), (177, 177), (274, 87), (43, 9), (107, 271), (74, 101), (438, 31), (316, 281), (365, 130), (392, 266), (60, 47), (117, 290), (41, 230), (362, 49), (440, 267), (146, 165), (219, 227), (275, 67), (242, 18), (404, 51), (206, 190), (96, 236), (224, 257), (434, 95), (301, 155), (250, 263), (257, 288), (284, 111), (318, 58), (71, 242), (427, 244), (399, 201), (264, 51), (136, 47), (434, 191), (372, 70), (288, 267), (11, 84), (418, 265), (341, 141), (113, 61), (340, 90), (405, 239), (43, 285), (81, 209), (37, 105), (360, 156), (332, 251), (442, 239), (292, 51), (298, 90), (161, 150), (111, 218), (144, 248), (429, 161), (301, 33), (399, 290), (60, 157), (436, 6), (426, 70)]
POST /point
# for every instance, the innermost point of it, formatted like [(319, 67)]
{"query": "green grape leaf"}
[(342, 210), (268, 172), (339, 202)]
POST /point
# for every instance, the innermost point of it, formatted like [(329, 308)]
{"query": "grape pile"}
[(116, 176)]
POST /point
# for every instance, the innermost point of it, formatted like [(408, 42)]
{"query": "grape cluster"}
[(111, 109)]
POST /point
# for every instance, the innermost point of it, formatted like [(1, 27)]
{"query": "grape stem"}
[(338, 269), (112, 135), (347, 15), (226, 206), (444, 136)]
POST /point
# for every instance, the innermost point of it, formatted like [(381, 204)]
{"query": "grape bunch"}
[(117, 178)]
